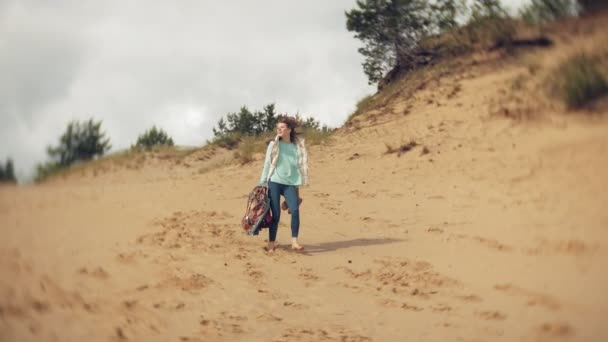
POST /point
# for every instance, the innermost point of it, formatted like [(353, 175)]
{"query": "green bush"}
[(47, 169), (7, 172), (579, 81), (237, 128), (246, 122), (228, 141), (153, 137), (82, 141)]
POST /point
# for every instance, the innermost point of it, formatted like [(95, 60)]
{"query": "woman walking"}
[(285, 169)]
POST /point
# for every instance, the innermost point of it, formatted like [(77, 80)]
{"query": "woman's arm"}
[(266, 163), (304, 163)]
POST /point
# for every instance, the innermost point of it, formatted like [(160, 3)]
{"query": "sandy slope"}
[(497, 234)]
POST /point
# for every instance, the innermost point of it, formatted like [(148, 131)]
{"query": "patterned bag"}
[(258, 214)]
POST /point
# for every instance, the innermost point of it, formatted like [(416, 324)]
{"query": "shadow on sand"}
[(335, 245)]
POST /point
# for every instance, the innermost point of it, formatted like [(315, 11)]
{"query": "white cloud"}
[(177, 65)]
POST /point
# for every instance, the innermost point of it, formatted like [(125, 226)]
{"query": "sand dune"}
[(496, 232)]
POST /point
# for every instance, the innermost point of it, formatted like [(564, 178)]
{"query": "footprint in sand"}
[(398, 276), (470, 298), (171, 306), (127, 258), (490, 243), (361, 194), (196, 230), (98, 272), (494, 244), (441, 308), (435, 230), (532, 298), (390, 303), (329, 334), (567, 247), (308, 276), (552, 331), (293, 305), (267, 317), (210, 329), (254, 274), (492, 315)]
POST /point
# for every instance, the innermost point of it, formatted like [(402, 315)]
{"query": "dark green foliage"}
[(152, 137), (81, 141), (228, 140), (579, 81), (542, 11), (445, 12), (392, 30), (44, 170), (238, 127), (246, 122), (310, 124), (7, 172)]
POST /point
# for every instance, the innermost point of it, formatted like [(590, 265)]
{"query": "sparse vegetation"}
[(402, 35), (489, 26), (543, 11), (363, 105), (153, 137), (244, 123), (245, 130), (317, 136), (228, 141), (82, 141), (251, 145), (7, 172), (579, 81), (401, 149)]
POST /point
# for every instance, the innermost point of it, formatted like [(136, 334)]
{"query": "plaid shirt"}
[(302, 159)]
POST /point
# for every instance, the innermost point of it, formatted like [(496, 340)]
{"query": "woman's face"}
[(283, 131)]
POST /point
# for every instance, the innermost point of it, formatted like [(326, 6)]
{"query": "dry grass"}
[(363, 105), (403, 148), (318, 137), (578, 81), (249, 146)]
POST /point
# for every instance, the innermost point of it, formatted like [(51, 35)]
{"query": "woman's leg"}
[(275, 199), (291, 196)]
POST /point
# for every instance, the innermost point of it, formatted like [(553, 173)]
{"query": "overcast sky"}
[(179, 65)]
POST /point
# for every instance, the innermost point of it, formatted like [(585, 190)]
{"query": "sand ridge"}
[(489, 229)]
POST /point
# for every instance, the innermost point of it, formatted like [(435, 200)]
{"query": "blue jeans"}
[(291, 196)]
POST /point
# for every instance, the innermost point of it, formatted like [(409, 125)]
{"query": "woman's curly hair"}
[(291, 122)]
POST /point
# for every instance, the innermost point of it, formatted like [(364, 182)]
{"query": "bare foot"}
[(297, 247), (270, 248)]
